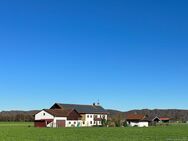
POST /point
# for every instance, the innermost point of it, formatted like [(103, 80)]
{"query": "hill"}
[(17, 115), (174, 114)]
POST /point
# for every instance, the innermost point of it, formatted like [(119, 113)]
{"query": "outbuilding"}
[(161, 119), (137, 120)]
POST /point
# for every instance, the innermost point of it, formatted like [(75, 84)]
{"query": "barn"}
[(161, 119), (57, 118), (137, 120)]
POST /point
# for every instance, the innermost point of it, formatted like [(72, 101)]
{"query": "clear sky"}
[(129, 54)]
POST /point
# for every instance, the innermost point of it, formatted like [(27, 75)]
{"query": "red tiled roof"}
[(164, 118), (135, 117)]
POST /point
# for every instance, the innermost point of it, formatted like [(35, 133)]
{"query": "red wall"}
[(41, 123)]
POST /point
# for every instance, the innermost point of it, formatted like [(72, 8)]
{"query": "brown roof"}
[(89, 109), (135, 117), (59, 112), (164, 118)]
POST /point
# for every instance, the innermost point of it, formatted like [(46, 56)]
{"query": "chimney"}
[(94, 104), (98, 103)]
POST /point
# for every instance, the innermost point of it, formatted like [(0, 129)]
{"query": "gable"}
[(156, 119), (43, 115), (73, 115), (56, 106)]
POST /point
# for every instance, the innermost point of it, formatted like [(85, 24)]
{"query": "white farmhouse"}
[(57, 118), (137, 120), (91, 115)]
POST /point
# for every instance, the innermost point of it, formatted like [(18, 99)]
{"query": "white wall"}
[(59, 118), (139, 124), (68, 123), (43, 115), (89, 120), (73, 123)]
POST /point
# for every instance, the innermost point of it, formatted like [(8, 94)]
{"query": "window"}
[(91, 122), (87, 116), (74, 122), (83, 122), (91, 116), (69, 122), (43, 114)]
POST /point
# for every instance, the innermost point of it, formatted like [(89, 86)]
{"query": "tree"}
[(118, 119), (104, 122)]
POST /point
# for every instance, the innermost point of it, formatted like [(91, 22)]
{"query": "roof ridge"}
[(63, 110), (82, 108), (77, 104), (56, 112)]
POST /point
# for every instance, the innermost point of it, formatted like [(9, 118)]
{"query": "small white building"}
[(161, 119), (57, 118), (137, 120), (91, 115)]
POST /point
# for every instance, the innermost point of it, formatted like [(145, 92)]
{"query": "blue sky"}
[(129, 54)]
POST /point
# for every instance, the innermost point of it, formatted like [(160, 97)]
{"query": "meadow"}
[(26, 132)]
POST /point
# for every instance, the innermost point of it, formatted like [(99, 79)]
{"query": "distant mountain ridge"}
[(174, 114)]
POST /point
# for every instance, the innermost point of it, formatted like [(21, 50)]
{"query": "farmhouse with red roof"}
[(71, 115)]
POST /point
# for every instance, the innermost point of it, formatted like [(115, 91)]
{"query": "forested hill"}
[(17, 115), (176, 115)]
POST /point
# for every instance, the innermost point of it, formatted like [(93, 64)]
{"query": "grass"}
[(23, 132)]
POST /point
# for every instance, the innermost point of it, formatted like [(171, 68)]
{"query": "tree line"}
[(21, 116), (116, 118)]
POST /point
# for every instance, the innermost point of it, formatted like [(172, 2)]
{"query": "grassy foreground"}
[(23, 132)]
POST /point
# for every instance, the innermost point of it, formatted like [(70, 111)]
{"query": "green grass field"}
[(24, 132)]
